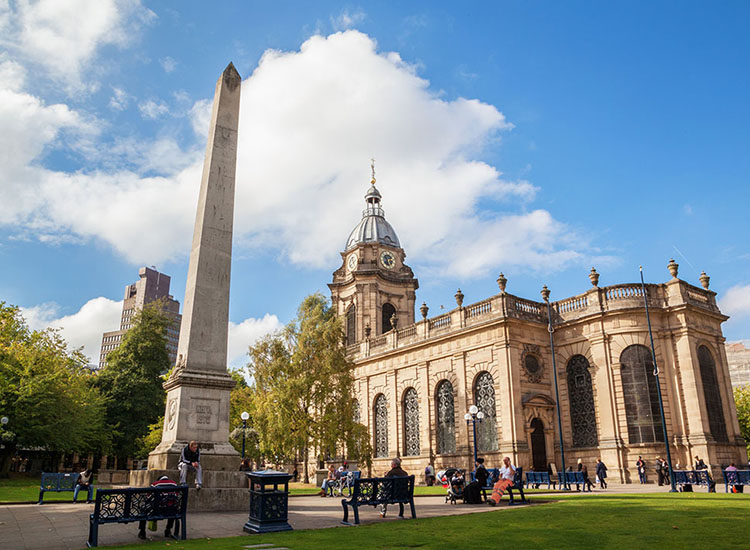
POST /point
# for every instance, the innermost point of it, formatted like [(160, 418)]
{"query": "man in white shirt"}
[(507, 472)]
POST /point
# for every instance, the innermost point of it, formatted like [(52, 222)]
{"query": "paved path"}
[(64, 526)]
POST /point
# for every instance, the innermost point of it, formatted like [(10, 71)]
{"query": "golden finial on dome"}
[(372, 166)]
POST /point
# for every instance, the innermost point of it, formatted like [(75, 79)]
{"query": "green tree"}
[(149, 442), (742, 401), (46, 392), (132, 380), (302, 389)]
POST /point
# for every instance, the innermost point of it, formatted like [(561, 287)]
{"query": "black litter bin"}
[(269, 502)]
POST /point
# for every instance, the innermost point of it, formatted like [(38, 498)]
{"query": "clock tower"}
[(373, 283)]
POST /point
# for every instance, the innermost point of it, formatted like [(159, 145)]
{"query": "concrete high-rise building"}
[(151, 286)]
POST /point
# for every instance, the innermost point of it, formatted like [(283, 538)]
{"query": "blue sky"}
[(534, 138)]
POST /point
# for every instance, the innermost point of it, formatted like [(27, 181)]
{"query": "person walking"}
[(85, 479), (641, 465), (395, 471), (429, 475), (190, 461), (601, 473)]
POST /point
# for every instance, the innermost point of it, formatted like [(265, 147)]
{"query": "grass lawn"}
[(21, 488), (656, 521)]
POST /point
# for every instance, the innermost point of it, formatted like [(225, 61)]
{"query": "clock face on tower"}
[(387, 259), (351, 262)]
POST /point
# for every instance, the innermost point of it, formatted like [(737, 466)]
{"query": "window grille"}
[(581, 398), (411, 423), (446, 419), (484, 398)]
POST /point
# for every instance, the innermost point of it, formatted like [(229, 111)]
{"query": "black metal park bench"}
[(737, 478), (374, 491), (56, 483), (139, 504)]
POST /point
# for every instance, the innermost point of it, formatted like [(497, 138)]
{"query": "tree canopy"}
[(742, 401), (46, 392), (303, 387), (132, 380)]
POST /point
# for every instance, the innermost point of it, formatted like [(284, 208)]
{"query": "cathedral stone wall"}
[(415, 381)]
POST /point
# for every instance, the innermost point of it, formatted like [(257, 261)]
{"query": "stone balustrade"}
[(596, 300)]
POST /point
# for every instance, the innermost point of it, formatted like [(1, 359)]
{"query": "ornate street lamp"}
[(673, 270), (244, 416), (472, 416), (545, 295)]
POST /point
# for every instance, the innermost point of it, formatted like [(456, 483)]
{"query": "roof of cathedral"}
[(373, 227)]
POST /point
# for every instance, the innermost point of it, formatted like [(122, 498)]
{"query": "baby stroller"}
[(453, 481)]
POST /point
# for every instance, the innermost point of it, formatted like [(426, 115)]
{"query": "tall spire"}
[(198, 389)]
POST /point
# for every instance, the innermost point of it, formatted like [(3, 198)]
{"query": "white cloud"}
[(736, 302), (153, 109), (303, 168), (346, 19), (169, 64), (83, 328), (63, 37), (243, 335), (119, 100)]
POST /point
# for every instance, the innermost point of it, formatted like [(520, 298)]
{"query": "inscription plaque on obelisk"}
[(197, 406)]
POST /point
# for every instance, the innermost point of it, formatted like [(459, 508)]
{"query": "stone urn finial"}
[(501, 282), (545, 293), (594, 277), (704, 279), (673, 267), (368, 331), (394, 321), (423, 309), (459, 297)]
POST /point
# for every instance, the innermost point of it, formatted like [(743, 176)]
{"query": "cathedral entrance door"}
[(538, 446)]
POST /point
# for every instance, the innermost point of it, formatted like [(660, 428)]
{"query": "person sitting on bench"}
[(507, 473)]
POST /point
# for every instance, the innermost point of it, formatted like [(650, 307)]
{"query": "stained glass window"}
[(484, 399), (381, 427), (446, 419), (581, 397), (351, 325), (641, 395), (712, 395), (411, 423)]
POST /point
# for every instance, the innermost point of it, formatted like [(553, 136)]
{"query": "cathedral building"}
[(416, 378)]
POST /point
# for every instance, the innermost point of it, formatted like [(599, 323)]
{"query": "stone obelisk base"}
[(197, 409), (221, 490)]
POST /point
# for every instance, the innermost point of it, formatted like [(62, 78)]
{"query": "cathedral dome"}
[(373, 227)]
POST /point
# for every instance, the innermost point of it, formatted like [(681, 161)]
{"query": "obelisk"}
[(198, 389)]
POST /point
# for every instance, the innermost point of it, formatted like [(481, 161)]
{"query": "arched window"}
[(641, 395), (484, 399), (411, 423), (388, 312), (381, 426), (581, 396), (712, 395), (446, 419), (351, 325)]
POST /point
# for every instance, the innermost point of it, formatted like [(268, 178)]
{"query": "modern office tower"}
[(151, 286)]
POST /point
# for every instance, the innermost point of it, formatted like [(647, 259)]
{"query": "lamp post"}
[(472, 416), (656, 376), (244, 416), (545, 295)]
